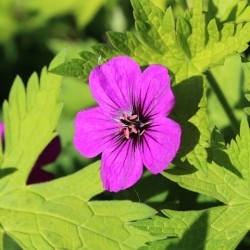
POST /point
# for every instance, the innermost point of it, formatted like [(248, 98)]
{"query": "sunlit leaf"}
[(58, 214), (227, 180)]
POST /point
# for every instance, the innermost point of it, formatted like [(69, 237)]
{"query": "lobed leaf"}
[(190, 113), (213, 228), (227, 180), (183, 46), (57, 214), (181, 43), (66, 219), (246, 68), (73, 68), (30, 119)]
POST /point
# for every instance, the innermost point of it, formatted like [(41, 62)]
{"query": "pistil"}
[(131, 124)]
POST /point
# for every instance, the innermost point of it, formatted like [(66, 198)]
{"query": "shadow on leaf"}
[(9, 243), (188, 96), (7, 171), (194, 237)]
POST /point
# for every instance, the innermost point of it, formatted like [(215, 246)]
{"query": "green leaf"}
[(85, 11), (227, 180), (9, 243), (229, 79), (59, 214), (187, 45), (230, 11), (170, 48), (239, 151), (213, 228), (34, 14), (154, 34), (246, 68), (30, 120), (190, 113), (197, 38), (81, 68), (74, 68), (37, 218)]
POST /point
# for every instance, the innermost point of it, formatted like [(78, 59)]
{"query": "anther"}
[(132, 117)]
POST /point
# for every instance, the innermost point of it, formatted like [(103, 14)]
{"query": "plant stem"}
[(223, 101)]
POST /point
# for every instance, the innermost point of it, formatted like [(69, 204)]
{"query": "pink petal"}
[(111, 83), (93, 130), (160, 143), (153, 92), (121, 165)]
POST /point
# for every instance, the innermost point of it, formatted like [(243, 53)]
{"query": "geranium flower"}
[(49, 154), (129, 127)]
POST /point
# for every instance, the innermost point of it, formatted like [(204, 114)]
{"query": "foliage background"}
[(32, 34)]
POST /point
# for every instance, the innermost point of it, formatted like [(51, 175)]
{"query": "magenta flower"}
[(129, 126)]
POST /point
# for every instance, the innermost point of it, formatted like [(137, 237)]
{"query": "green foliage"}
[(190, 113), (14, 12), (227, 180), (233, 10), (189, 37), (246, 68), (206, 229), (37, 217), (229, 80), (83, 11), (187, 45), (30, 118), (56, 214)]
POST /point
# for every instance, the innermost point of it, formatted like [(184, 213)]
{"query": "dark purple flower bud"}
[(49, 154)]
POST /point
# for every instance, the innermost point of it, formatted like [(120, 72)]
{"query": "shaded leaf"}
[(227, 180)]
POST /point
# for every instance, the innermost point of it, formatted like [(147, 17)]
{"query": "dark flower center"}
[(131, 125)]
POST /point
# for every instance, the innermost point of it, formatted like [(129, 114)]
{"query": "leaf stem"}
[(223, 101)]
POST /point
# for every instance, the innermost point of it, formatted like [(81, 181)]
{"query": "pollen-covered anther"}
[(134, 129), (129, 124), (126, 132), (133, 117)]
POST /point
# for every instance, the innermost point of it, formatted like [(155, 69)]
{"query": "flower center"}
[(131, 124)]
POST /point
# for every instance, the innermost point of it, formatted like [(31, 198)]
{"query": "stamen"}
[(144, 124), (142, 132), (120, 128), (129, 124), (132, 117), (134, 130), (126, 133)]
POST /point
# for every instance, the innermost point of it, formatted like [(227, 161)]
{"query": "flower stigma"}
[(130, 124)]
